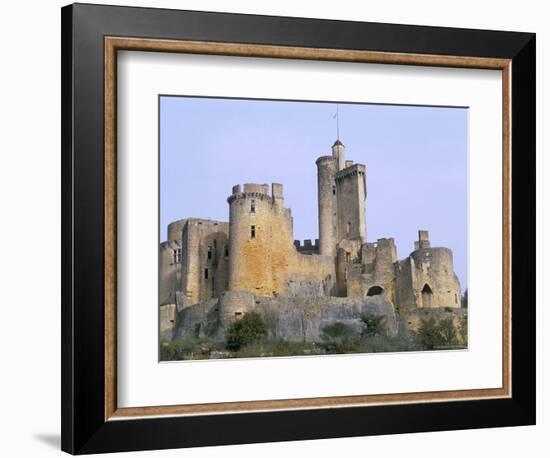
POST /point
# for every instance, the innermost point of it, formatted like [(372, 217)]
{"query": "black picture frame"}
[(84, 428)]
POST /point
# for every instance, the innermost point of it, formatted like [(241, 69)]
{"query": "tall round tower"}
[(250, 239), (327, 166)]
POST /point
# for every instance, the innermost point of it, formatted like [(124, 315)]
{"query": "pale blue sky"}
[(416, 159)]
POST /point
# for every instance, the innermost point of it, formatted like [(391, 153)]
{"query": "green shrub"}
[(249, 329), (464, 299), (463, 328), (385, 343), (189, 347), (338, 337), (447, 331), (278, 347), (375, 325), (432, 334)]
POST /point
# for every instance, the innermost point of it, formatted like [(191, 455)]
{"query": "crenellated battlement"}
[(256, 191), (324, 159), (307, 247), (352, 170)]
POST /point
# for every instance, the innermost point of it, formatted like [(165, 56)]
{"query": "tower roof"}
[(338, 143)]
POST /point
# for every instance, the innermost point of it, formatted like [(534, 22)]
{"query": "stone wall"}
[(434, 280), (263, 258), (169, 270), (350, 195), (175, 229), (376, 270), (412, 319), (204, 260), (167, 321), (293, 319)]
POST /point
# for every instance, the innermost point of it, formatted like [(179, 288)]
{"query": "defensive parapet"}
[(175, 229), (307, 247)]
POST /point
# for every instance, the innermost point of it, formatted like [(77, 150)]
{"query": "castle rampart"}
[(307, 247)]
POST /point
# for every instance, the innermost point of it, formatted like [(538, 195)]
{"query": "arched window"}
[(375, 290), (427, 296)]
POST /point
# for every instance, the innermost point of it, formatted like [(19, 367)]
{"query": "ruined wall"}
[(350, 195), (204, 259), (327, 167), (347, 259), (167, 321), (376, 273), (404, 293), (426, 279), (434, 280), (169, 270), (175, 229)]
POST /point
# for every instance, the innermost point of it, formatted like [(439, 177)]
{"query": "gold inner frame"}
[(114, 44)]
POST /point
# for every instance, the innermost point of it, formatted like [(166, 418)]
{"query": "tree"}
[(447, 332), (433, 334), (464, 299), (428, 334), (374, 325), (463, 328), (249, 329), (338, 337)]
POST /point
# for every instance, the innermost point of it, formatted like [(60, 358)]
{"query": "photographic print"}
[(301, 228)]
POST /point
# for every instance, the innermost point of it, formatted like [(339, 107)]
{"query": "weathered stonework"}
[(294, 319), (212, 272)]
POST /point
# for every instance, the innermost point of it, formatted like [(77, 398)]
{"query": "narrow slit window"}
[(209, 252), (252, 232), (334, 190), (226, 251), (206, 274), (252, 206)]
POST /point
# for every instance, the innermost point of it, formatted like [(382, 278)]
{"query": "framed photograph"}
[(280, 228)]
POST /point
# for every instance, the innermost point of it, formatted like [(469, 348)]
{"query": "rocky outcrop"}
[(289, 318)]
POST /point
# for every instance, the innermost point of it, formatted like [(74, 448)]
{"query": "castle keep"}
[(214, 271)]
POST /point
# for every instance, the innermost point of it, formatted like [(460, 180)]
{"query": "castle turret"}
[(260, 239), (327, 166), (434, 279), (339, 153)]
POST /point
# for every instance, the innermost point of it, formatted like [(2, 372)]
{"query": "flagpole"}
[(337, 122)]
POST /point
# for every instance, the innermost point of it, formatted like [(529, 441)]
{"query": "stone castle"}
[(212, 272)]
